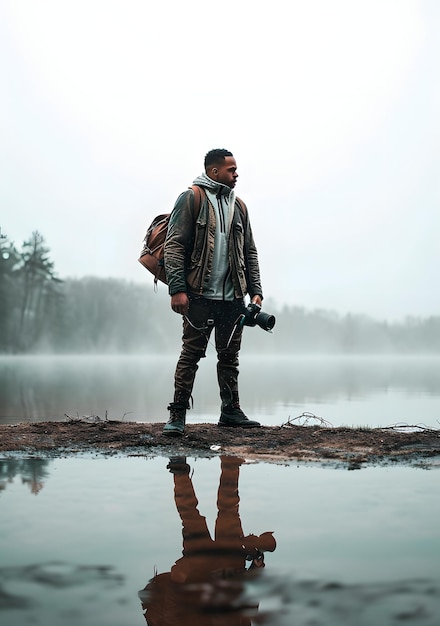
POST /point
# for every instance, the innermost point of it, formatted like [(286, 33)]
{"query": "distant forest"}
[(39, 312)]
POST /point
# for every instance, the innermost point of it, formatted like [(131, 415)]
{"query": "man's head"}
[(221, 166)]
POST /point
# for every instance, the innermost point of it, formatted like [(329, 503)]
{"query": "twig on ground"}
[(304, 420), (93, 418), (404, 426), (85, 418)]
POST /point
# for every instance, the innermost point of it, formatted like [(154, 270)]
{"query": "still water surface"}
[(81, 537), (355, 391)]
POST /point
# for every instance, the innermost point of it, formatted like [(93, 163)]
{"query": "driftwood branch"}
[(310, 419), (409, 427), (93, 419), (305, 419)]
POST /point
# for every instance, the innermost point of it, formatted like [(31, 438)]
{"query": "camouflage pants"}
[(203, 317)]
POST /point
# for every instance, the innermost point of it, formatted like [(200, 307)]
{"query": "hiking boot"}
[(178, 465), (175, 427), (234, 416)]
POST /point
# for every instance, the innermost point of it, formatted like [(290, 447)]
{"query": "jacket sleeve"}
[(252, 264), (179, 242)]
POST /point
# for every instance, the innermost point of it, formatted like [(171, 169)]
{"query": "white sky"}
[(331, 109)]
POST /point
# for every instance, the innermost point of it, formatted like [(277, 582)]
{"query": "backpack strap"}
[(197, 200), (242, 206)]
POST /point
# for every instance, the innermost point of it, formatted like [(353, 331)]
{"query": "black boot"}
[(178, 465), (232, 415), (176, 424)]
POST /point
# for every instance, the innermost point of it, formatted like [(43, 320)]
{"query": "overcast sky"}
[(331, 108)]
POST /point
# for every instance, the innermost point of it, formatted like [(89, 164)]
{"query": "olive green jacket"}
[(189, 248)]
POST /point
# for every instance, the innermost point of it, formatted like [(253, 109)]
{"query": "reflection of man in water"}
[(205, 586)]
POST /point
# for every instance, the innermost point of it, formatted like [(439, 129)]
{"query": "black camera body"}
[(254, 316)]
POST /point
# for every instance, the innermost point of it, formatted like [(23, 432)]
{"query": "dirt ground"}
[(287, 443)]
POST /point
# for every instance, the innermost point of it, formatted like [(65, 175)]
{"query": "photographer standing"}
[(211, 263)]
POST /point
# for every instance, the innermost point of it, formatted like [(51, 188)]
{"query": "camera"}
[(254, 316)]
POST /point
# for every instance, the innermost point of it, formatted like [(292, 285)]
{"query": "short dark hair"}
[(216, 156)]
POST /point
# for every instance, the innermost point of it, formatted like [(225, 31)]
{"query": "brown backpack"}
[(153, 251)]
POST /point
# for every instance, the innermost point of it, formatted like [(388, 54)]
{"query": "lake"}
[(343, 390), (82, 539)]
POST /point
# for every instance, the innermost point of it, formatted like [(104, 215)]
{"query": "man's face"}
[(226, 173)]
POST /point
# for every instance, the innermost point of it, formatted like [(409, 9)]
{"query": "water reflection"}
[(208, 584), (365, 544), (32, 472), (38, 579)]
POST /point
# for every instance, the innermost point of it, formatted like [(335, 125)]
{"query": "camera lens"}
[(265, 321)]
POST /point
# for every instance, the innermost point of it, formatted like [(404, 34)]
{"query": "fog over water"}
[(350, 390)]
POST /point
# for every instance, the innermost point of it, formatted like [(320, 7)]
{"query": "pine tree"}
[(39, 288), (9, 293)]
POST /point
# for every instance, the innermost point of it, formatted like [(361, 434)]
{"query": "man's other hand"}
[(180, 303)]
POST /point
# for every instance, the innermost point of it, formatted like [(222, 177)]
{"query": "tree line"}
[(39, 312)]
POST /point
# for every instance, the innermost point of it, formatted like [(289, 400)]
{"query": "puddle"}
[(113, 541)]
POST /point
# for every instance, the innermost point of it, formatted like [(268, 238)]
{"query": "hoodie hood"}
[(218, 189)]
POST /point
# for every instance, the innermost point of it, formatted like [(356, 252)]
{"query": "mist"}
[(113, 316), (334, 126), (108, 347)]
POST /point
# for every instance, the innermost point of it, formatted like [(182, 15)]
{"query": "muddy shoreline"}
[(288, 443)]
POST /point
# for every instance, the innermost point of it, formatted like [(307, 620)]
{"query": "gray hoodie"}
[(222, 199)]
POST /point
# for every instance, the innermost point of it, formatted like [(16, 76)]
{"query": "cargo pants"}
[(202, 318)]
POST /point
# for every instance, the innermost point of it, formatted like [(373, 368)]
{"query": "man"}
[(211, 263)]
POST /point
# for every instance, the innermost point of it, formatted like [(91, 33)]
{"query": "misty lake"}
[(343, 390)]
